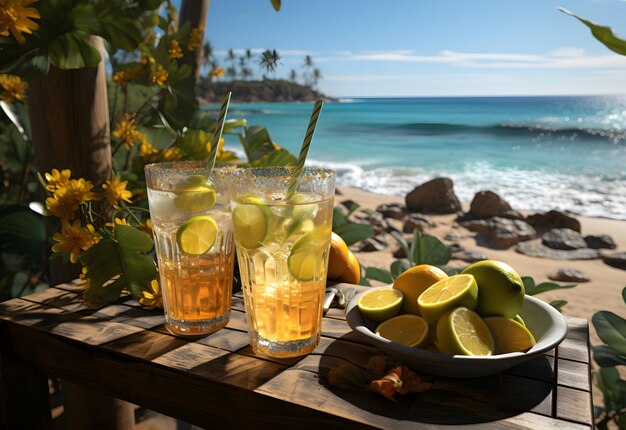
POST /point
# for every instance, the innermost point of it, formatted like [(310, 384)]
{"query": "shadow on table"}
[(464, 401)]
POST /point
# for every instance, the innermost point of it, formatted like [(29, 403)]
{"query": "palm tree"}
[(270, 60), (293, 75), (231, 72), (207, 54), (317, 75), (242, 66), (231, 58), (308, 65)]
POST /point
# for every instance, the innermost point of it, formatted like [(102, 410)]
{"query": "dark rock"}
[(415, 221), (399, 253), (371, 245), (569, 275), (553, 219), (501, 233), (601, 241), (391, 210), (348, 203), (542, 251), (513, 214), (378, 223), (468, 256), (456, 235), (563, 238), (487, 204), (616, 260), (436, 196)]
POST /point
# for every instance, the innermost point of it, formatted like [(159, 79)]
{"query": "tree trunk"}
[(196, 12), (69, 118)]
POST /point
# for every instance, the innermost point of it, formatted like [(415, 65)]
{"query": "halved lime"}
[(462, 331), (251, 224), (509, 335), (409, 330), (380, 305), (306, 260), (196, 235), (196, 199), (447, 294)]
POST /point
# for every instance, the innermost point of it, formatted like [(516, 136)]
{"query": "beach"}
[(602, 292)]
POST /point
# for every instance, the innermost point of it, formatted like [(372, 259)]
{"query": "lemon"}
[(196, 199), (509, 335), (196, 235), (413, 282), (408, 330), (500, 288), (251, 224), (447, 294), (380, 305), (307, 258), (462, 331), (519, 320), (342, 264)]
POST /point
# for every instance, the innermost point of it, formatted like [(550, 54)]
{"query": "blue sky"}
[(431, 48)]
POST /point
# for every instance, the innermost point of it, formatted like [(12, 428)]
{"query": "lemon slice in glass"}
[(196, 199), (509, 335), (197, 235), (462, 331), (306, 260), (251, 224), (380, 305), (409, 330), (447, 294)]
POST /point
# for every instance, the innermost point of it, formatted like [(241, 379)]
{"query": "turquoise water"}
[(566, 153)]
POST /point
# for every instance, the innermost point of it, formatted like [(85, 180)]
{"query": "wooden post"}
[(196, 12), (69, 118)]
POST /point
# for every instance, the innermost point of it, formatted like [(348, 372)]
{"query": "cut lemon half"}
[(251, 224), (509, 335), (196, 199), (519, 320), (447, 294), (408, 330), (380, 305), (196, 235), (461, 331), (308, 258)]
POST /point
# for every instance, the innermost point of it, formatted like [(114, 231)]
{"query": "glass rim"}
[(185, 165), (283, 170)]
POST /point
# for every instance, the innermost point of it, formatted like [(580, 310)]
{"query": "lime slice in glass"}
[(306, 261), (196, 235), (196, 199), (251, 223)]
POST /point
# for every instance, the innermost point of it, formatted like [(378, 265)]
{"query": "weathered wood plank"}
[(573, 374), (574, 405), (28, 313), (577, 328), (573, 349)]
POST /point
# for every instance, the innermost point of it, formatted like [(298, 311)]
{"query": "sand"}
[(603, 292)]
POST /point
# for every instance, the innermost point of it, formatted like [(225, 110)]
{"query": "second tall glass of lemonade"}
[(282, 249), (189, 208)]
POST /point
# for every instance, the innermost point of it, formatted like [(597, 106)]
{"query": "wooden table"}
[(217, 381)]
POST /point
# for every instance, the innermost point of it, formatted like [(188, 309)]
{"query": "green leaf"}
[(415, 254), (611, 329), (529, 284), (339, 218), (73, 51), (558, 304), (256, 142), (32, 65), (276, 4), (352, 233), (120, 263), (353, 208), (194, 144), (624, 295), (398, 267), (364, 282), (546, 286), (405, 246), (278, 157), (23, 231), (608, 381), (179, 105), (606, 356), (604, 34), (432, 251), (378, 275)]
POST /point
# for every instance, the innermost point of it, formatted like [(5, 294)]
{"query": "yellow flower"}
[(12, 88), (73, 237), (159, 77), (217, 72), (145, 148), (57, 179), (126, 131), (117, 221), (15, 18), (146, 227), (114, 190), (171, 154), (175, 52), (85, 280), (151, 298), (81, 190), (144, 59), (121, 77), (62, 204), (195, 38)]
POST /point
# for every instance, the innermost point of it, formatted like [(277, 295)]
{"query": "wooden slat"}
[(574, 405), (573, 374), (573, 349)]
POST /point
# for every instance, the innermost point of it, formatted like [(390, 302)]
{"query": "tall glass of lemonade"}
[(189, 208), (282, 249)]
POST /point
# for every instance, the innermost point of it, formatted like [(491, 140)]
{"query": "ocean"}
[(538, 153)]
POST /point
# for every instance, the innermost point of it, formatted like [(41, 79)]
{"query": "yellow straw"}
[(219, 127)]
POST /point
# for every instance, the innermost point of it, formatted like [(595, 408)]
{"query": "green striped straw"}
[(219, 128), (308, 137)]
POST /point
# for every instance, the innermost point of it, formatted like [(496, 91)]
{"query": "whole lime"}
[(500, 288)]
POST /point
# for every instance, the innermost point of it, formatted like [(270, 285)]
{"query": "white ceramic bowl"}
[(545, 323)]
